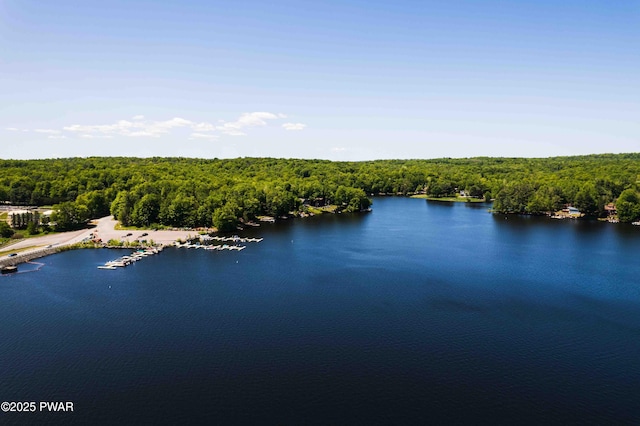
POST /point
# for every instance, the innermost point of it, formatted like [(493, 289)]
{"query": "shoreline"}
[(450, 199), (105, 231), (98, 236), (28, 256)]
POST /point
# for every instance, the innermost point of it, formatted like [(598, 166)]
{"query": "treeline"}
[(222, 193)]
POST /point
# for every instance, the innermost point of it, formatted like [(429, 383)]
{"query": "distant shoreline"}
[(451, 199)]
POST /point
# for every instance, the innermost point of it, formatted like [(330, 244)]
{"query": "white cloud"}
[(138, 127), (13, 129), (250, 119), (174, 122), (338, 149), (56, 137), (204, 127), (293, 126), (142, 134), (131, 128)]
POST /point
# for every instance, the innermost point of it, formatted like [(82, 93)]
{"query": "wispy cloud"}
[(130, 128), (293, 126), (139, 127), (204, 127), (338, 149), (250, 119)]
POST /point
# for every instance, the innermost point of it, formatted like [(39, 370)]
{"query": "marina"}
[(235, 239), (202, 242), (123, 261), (206, 242)]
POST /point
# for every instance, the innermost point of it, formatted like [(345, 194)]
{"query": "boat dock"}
[(123, 261), (205, 242), (234, 239), (218, 247)]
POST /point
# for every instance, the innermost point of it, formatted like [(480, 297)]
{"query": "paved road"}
[(62, 239), (104, 229)]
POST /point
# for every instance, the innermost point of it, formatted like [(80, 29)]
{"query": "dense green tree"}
[(182, 211), (514, 198), (628, 205), (545, 199), (68, 215), (5, 230), (475, 191), (278, 201), (146, 210), (190, 191), (586, 200), (225, 218), (440, 188), (32, 228), (96, 203), (353, 199), (122, 207)]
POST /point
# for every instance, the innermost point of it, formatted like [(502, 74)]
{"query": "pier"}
[(205, 243), (123, 261)]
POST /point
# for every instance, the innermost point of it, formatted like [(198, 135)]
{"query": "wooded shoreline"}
[(184, 192)]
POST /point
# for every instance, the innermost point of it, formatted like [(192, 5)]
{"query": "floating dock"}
[(123, 261), (205, 243)]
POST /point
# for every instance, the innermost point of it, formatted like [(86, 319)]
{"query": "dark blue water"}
[(418, 312)]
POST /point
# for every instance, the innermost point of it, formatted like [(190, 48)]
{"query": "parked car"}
[(13, 254), (144, 234)]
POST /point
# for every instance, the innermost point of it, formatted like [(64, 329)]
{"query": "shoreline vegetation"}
[(231, 194), (456, 199)]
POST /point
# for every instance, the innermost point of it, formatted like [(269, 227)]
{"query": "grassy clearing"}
[(325, 209)]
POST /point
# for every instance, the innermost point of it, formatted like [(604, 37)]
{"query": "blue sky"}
[(341, 80)]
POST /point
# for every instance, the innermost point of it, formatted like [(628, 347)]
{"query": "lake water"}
[(418, 312)]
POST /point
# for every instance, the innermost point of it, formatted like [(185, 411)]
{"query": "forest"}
[(223, 193)]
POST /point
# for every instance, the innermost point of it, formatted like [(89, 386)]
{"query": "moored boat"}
[(9, 270)]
